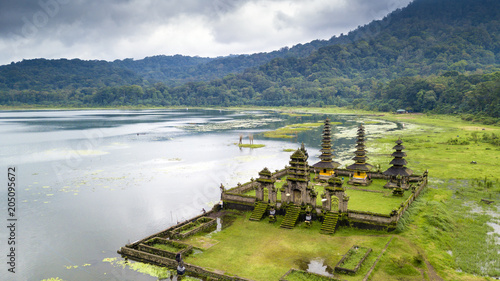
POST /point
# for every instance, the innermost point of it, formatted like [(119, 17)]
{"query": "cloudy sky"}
[(117, 29)]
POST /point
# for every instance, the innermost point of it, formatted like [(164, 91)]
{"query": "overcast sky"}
[(117, 29)]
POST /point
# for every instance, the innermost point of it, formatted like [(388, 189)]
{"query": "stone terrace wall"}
[(238, 201), (370, 217), (243, 188), (412, 198), (280, 173), (234, 198), (165, 233), (374, 175)]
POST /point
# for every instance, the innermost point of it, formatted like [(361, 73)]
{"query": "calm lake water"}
[(89, 182)]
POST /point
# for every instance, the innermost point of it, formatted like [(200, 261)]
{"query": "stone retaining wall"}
[(166, 232), (176, 233), (339, 268), (185, 251), (373, 175), (244, 188)]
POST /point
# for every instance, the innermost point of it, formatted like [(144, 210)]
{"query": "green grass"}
[(252, 145), (166, 247), (190, 226), (354, 256), (427, 146), (290, 131), (401, 261), (451, 219), (374, 202), (304, 276), (264, 251)]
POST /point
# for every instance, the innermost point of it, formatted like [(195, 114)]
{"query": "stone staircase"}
[(330, 223), (258, 211), (292, 214)]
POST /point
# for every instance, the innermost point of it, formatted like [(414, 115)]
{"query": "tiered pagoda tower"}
[(326, 166), (360, 167), (297, 190), (398, 172)]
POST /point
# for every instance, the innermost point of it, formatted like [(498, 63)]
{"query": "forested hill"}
[(428, 37), (176, 70), (428, 56), (43, 74), (432, 55)]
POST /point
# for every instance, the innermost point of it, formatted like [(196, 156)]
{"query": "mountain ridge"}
[(429, 56)]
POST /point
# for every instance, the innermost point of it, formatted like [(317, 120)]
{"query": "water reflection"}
[(316, 265)]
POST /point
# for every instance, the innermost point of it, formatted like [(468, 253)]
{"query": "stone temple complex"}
[(324, 193)]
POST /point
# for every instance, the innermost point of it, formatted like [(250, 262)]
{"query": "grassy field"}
[(379, 203), (264, 251), (166, 247)]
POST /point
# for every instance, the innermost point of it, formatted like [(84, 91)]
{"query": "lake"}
[(91, 181)]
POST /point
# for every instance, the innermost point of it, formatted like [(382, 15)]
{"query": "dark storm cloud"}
[(137, 28)]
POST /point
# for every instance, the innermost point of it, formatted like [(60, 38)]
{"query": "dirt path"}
[(431, 272), (376, 261), (433, 276)]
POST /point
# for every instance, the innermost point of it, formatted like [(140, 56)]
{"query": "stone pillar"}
[(343, 202), (259, 192), (313, 199), (327, 204), (273, 195), (284, 198)]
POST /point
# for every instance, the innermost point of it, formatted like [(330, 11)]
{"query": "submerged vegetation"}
[(149, 269), (251, 145), (291, 131)]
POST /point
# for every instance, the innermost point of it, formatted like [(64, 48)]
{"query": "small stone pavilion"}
[(326, 167), (398, 173), (360, 168)]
